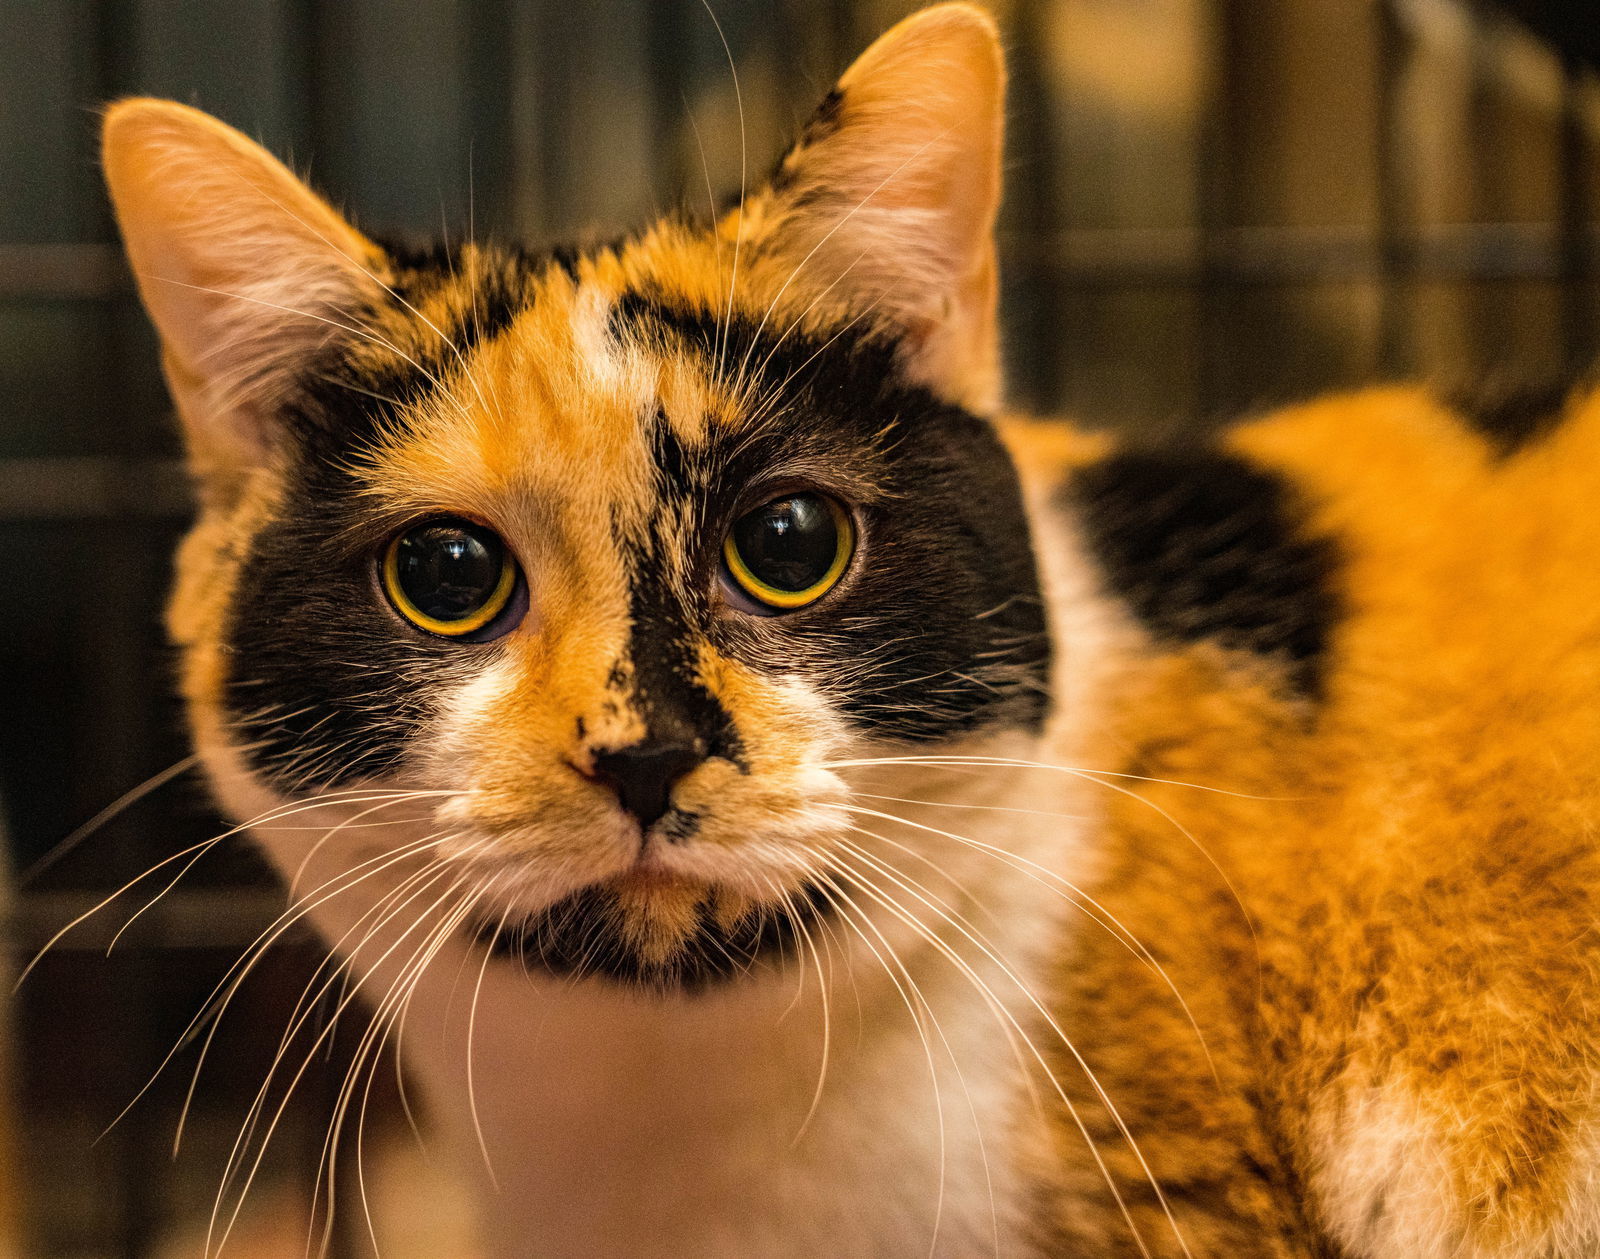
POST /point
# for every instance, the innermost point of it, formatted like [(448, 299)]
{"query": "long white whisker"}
[(1098, 777), (918, 1010), (394, 1024), (234, 979), (200, 848), (738, 230), (1068, 891), (122, 803), (331, 964), (976, 938), (234, 1161), (472, 1028), (788, 906), (1019, 763), (1006, 1018)]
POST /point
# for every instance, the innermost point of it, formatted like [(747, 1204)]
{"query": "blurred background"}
[(1214, 205)]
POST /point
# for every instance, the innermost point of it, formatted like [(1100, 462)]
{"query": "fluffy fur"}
[(1164, 853)]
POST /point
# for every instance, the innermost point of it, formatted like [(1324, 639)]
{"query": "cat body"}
[(779, 811), (1386, 936)]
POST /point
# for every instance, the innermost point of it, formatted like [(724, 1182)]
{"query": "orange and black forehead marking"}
[(1202, 545), (365, 380), (939, 630)]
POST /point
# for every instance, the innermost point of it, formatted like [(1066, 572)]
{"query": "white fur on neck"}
[(633, 1126)]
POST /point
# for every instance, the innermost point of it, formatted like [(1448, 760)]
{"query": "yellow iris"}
[(471, 618), (787, 600)]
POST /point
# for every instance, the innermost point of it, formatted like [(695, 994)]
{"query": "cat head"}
[(622, 550)]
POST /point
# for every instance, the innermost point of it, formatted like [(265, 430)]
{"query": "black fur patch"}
[(674, 703), (586, 935), (344, 400), (497, 289), (939, 627), (1204, 545), (826, 119), (325, 685), (1513, 418)]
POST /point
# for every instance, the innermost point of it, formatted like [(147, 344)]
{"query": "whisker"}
[(200, 849), (1097, 776), (987, 808), (122, 803), (1007, 1019), (918, 1011), (1074, 895), (326, 1166), (235, 1162), (472, 1027), (395, 1024), (1020, 763), (911, 886), (788, 906), (738, 229)]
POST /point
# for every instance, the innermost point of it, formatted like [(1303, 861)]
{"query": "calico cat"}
[(789, 811)]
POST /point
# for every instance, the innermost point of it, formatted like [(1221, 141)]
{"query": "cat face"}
[(619, 551)]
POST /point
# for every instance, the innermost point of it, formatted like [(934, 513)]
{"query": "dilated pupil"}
[(789, 544), (448, 571)]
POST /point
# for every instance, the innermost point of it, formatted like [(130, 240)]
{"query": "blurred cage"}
[(1214, 205)]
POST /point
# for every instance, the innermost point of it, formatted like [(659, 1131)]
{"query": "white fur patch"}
[(1383, 1178)]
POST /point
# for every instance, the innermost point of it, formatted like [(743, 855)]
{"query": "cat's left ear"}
[(893, 189)]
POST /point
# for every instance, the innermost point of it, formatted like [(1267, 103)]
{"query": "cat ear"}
[(241, 266), (893, 189)]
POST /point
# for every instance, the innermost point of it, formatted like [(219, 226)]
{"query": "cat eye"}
[(788, 553), (450, 577)]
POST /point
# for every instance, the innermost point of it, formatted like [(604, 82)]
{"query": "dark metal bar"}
[(108, 652), (90, 487), (1578, 322), (72, 271), (1218, 206), (669, 43), (1394, 50), (488, 118), (1034, 291)]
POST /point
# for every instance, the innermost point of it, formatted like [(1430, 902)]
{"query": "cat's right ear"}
[(242, 267)]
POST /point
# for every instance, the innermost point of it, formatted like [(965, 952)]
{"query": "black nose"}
[(644, 775)]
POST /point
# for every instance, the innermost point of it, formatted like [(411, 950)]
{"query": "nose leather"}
[(644, 774)]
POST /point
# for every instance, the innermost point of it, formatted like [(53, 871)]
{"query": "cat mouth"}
[(656, 931)]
